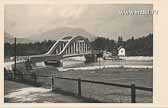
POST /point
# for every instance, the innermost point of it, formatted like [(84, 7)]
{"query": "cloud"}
[(99, 19), (71, 11), (23, 19)]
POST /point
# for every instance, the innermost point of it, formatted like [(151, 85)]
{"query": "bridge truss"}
[(67, 47)]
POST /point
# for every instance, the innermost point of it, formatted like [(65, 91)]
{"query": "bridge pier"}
[(90, 58)]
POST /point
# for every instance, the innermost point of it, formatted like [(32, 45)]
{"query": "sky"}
[(23, 20)]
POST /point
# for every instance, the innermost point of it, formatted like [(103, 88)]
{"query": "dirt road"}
[(21, 93)]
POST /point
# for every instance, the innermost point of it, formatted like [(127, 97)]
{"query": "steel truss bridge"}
[(67, 47)]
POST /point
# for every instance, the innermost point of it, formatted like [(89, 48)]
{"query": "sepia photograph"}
[(78, 53)]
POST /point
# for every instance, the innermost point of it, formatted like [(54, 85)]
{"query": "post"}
[(15, 58), (133, 93), (22, 76), (13, 76), (79, 87), (99, 63), (52, 82), (35, 79)]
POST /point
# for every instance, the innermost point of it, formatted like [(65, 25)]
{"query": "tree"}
[(142, 46), (120, 41)]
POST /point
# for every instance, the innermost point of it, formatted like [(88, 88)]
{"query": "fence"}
[(81, 90), (33, 79), (80, 87)]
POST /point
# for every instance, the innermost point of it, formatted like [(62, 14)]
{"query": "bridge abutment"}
[(54, 63)]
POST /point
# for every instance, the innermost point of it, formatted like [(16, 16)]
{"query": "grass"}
[(140, 77)]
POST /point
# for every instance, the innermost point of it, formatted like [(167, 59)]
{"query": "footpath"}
[(22, 93)]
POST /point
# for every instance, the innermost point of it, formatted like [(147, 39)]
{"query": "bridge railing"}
[(97, 90)]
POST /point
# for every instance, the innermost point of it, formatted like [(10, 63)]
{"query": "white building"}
[(121, 51)]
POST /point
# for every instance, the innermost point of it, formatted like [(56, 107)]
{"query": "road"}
[(21, 93)]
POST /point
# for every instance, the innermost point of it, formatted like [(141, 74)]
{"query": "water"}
[(73, 63), (79, 62)]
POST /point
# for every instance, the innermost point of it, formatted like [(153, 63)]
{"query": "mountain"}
[(57, 33), (53, 34), (10, 39)]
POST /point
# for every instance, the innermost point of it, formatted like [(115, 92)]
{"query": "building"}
[(121, 51)]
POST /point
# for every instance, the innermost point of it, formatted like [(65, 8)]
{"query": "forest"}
[(142, 46)]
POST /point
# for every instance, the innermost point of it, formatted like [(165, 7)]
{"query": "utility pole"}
[(99, 63), (15, 58)]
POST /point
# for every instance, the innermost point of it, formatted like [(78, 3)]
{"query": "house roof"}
[(120, 47)]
